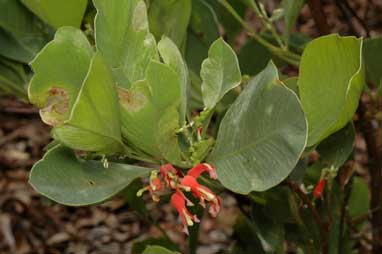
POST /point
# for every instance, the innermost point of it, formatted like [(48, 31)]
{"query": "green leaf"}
[(150, 112), (140, 247), (122, 36), (170, 18), (203, 31), (67, 180), (372, 49), (247, 239), (330, 83), (261, 136), (269, 231), (220, 73), (12, 79), (12, 49), (157, 250), (94, 123), (22, 35), (360, 198), (58, 13), (172, 57), (292, 9), (81, 101), (336, 149), (232, 27), (60, 69), (253, 57), (292, 83)]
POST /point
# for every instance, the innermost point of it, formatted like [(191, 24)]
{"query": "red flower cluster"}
[(175, 180)]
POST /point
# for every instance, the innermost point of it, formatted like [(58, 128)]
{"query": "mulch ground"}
[(30, 223)]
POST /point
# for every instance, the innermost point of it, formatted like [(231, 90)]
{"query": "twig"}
[(319, 16), (321, 225), (355, 15), (373, 137), (285, 54), (346, 191), (347, 17)]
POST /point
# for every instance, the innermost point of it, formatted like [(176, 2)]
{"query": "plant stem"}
[(267, 23), (284, 54), (372, 132), (321, 226), (319, 16), (345, 193)]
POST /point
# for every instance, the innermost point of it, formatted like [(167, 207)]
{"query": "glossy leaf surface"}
[(170, 18), (330, 83), (150, 112), (58, 13), (67, 180), (220, 73), (261, 136), (60, 69), (123, 38), (94, 123)]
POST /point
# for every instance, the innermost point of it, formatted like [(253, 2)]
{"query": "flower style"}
[(178, 200)]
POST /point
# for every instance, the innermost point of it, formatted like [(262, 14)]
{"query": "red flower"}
[(154, 186), (202, 193), (170, 175), (178, 200), (319, 189), (204, 167)]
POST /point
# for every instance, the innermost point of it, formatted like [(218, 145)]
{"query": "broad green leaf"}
[(269, 230), (94, 123), (22, 35), (292, 9), (253, 57), (170, 18), (359, 198), (12, 79), (158, 250), (60, 69), (58, 13), (261, 136), (139, 247), (336, 149), (67, 180), (123, 37), (12, 49), (149, 111), (220, 73), (330, 83), (292, 83), (247, 239), (203, 31), (172, 57), (232, 27), (372, 49)]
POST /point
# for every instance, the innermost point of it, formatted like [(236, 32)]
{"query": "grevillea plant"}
[(134, 98)]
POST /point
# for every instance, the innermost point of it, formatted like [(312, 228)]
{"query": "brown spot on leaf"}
[(131, 100), (56, 106)]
